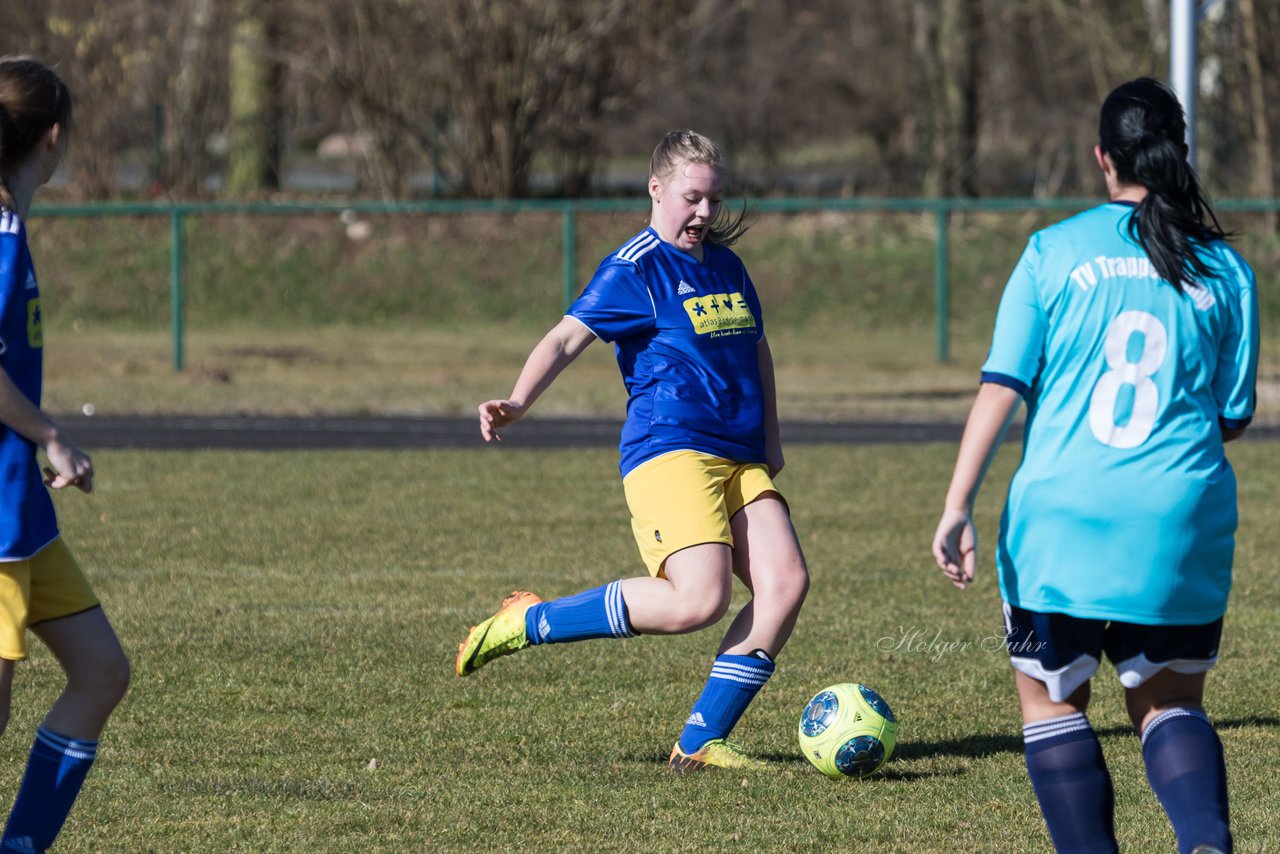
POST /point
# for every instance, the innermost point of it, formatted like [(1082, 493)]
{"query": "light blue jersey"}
[(27, 521), (687, 335), (1124, 506)]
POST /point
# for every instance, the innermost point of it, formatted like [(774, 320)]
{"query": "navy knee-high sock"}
[(1187, 772), (1071, 782)]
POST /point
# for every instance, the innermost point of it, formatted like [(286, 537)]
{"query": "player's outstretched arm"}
[(555, 352), (955, 543), (68, 465)]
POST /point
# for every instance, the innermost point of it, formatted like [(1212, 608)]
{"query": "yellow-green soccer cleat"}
[(716, 753), (501, 634)]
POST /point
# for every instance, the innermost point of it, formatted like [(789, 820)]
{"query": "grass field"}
[(292, 619), (363, 370)]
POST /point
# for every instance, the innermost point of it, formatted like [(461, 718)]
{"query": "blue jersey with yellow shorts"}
[(1124, 505), (686, 335), (27, 520)]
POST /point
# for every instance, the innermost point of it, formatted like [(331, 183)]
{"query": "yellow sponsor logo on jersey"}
[(35, 327), (719, 313)]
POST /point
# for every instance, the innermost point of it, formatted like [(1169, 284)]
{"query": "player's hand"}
[(955, 547), (68, 466), (496, 414)]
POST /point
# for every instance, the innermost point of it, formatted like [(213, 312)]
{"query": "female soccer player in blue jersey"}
[(41, 586), (699, 450), (1131, 331)]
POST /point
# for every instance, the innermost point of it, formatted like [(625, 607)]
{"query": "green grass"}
[(292, 617)]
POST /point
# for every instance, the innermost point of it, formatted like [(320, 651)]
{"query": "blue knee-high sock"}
[(55, 772), (1187, 772), (734, 682), (1071, 782), (597, 613)]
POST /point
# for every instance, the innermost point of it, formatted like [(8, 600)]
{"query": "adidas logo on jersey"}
[(544, 628), (684, 288), (696, 719), (31, 280)]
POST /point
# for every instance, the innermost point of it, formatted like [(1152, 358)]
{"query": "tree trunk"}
[(1263, 180), (254, 134), (186, 159)]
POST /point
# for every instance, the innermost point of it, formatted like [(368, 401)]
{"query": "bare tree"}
[(523, 72), (254, 130), (109, 59), (510, 97), (193, 89), (380, 60), (1263, 182)]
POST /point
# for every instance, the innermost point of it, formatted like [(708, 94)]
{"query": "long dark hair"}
[(1143, 130), (32, 99)]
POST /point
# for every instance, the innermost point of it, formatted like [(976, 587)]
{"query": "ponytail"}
[(1143, 130)]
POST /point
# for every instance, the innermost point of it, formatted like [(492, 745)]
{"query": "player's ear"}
[(1104, 161), (655, 189)]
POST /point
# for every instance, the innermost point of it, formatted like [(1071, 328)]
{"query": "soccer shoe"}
[(501, 634), (716, 753)]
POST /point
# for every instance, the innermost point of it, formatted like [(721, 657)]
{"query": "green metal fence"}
[(568, 209)]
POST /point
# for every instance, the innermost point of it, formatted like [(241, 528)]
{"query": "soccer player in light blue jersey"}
[(699, 450), (41, 586), (1131, 332)]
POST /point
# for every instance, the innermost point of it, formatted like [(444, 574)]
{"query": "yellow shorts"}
[(45, 586), (685, 498)]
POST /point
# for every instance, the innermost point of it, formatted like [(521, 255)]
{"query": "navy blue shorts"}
[(1064, 652)]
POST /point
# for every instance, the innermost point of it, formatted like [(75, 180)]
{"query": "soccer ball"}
[(848, 730)]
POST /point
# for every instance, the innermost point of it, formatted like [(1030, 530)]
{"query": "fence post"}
[(569, 239), (941, 276), (175, 284)]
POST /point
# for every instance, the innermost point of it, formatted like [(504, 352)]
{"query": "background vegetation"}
[(498, 98), (431, 314)]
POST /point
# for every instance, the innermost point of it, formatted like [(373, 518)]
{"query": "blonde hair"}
[(32, 100), (687, 146)]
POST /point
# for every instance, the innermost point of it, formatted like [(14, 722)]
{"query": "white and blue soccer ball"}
[(848, 730)]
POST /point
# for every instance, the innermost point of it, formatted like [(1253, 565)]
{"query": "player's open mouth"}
[(694, 233)]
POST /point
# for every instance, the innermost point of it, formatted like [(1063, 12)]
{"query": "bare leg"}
[(695, 593), (97, 672), (1165, 690), (768, 559), (65, 746), (1036, 704)]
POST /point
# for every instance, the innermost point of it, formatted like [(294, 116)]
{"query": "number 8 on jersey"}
[(1106, 396)]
